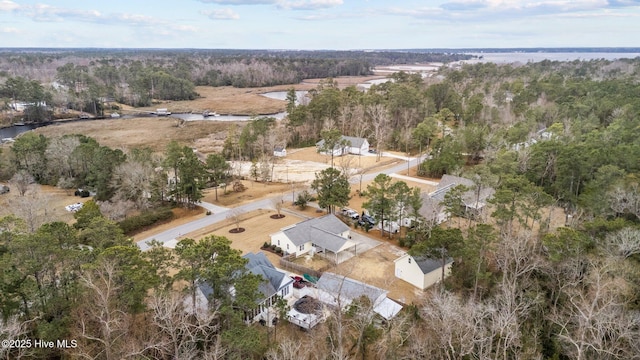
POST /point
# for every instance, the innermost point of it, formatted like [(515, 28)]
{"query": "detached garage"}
[(421, 272)]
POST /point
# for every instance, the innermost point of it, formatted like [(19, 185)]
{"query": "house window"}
[(278, 242), (302, 247), (409, 260), (285, 291), (287, 246)]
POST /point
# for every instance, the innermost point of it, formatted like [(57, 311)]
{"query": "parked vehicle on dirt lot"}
[(350, 213), (367, 220)]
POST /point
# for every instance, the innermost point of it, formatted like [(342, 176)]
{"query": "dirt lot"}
[(255, 190), (47, 201)]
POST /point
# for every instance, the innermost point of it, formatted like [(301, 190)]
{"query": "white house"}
[(276, 284), (326, 235), (340, 291), (279, 151), (346, 145), (473, 200), (357, 145), (339, 149), (421, 272)]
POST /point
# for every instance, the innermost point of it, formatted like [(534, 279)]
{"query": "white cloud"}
[(6, 5), (308, 4), (9, 30), (220, 14)]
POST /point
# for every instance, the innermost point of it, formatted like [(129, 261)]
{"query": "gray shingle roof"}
[(348, 288), (259, 265), (323, 231), (427, 265), (431, 202), (350, 140), (354, 141)]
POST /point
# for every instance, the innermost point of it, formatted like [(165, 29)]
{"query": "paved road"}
[(220, 213), (217, 214)]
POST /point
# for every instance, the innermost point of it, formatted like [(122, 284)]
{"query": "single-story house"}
[(346, 145), (276, 284), (339, 149), (473, 200), (357, 145), (421, 272), (279, 151), (325, 235), (340, 291)]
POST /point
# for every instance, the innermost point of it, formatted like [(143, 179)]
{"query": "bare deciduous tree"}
[(14, 329), (101, 326), (134, 181), (182, 332), (22, 181), (33, 207), (235, 217), (380, 122), (624, 243), (595, 323)]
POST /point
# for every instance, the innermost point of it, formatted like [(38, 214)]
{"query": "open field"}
[(48, 202), (154, 132), (257, 224), (255, 190)]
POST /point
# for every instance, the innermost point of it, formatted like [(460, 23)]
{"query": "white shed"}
[(421, 272)]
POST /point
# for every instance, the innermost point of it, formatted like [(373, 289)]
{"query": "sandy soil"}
[(255, 190), (50, 204), (258, 226)]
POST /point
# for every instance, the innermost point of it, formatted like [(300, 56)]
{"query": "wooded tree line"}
[(138, 179), (90, 284), (139, 77)]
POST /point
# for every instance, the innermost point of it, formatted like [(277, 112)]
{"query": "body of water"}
[(13, 131), (525, 57)]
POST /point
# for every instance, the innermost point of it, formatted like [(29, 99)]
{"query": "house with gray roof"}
[(474, 199), (326, 235), (421, 272), (276, 284), (340, 291), (346, 145)]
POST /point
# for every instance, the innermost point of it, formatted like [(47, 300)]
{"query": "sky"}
[(319, 24)]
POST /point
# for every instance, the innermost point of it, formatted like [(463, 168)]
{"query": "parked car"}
[(366, 219), (74, 207), (350, 213), (4, 189)]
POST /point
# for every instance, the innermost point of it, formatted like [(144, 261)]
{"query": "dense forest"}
[(547, 134), (81, 79)]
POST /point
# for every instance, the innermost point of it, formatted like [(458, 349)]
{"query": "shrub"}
[(265, 245), (147, 218), (238, 186)]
